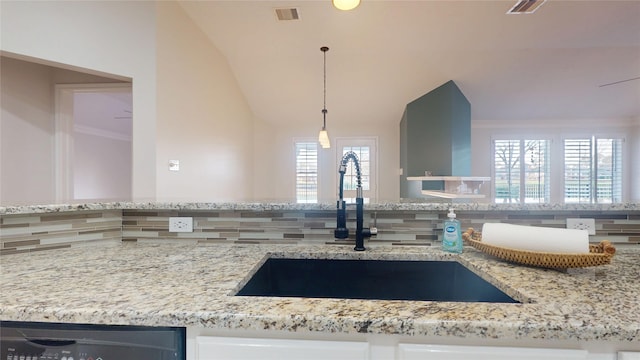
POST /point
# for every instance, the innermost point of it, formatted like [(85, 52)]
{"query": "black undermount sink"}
[(372, 280)]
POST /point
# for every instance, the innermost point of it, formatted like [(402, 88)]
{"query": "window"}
[(306, 172), (521, 171), (365, 149), (350, 177), (593, 170)]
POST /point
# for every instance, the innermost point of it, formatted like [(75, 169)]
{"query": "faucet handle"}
[(341, 233), (369, 232), (374, 229)]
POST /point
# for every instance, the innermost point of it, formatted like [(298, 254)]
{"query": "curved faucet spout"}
[(341, 231), (343, 169)]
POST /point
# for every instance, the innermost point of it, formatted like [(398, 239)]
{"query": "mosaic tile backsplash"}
[(30, 232), (43, 231)]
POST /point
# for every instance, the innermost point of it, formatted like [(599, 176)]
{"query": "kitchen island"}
[(193, 285)]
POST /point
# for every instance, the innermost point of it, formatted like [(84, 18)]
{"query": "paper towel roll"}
[(535, 238)]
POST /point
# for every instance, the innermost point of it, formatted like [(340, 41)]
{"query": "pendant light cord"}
[(324, 50)]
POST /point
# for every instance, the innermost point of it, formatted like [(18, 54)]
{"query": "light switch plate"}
[(174, 165), (180, 224), (582, 224)]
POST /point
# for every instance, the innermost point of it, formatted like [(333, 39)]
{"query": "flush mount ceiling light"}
[(323, 136), (346, 4)]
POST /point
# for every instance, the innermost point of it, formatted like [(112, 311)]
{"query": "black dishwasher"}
[(56, 341)]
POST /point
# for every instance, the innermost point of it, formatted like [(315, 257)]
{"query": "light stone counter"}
[(193, 285), (266, 206)]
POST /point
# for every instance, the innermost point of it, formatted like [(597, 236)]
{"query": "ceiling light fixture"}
[(346, 4), (323, 137)]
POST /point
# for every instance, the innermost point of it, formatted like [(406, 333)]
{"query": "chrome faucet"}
[(341, 231)]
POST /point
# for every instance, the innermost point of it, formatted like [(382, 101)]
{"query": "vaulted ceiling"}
[(546, 65)]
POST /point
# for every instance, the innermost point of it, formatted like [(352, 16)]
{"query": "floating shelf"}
[(455, 187), (449, 178), (446, 195)]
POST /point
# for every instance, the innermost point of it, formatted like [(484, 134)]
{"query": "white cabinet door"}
[(628, 355), (442, 352), (223, 348)]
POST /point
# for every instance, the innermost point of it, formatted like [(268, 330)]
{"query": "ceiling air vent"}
[(526, 6), (287, 14)]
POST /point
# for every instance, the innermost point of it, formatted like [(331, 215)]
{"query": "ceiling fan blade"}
[(619, 82)]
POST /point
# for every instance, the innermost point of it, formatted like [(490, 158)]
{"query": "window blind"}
[(578, 160), (521, 171), (593, 170), (306, 172)]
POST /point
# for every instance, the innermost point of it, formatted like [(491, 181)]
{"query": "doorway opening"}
[(93, 142)]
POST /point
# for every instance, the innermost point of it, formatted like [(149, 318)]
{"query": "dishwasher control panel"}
[(21, 353), (61, 341)]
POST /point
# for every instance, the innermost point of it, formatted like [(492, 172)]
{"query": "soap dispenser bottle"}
[(452, 237)]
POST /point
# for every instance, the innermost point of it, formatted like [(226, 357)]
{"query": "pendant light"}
[(323, 137), (346, 4)]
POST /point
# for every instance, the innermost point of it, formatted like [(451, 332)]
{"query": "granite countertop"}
[(193, 285), (280, 206)]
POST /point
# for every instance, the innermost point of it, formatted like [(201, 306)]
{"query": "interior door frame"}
[(63, 132)]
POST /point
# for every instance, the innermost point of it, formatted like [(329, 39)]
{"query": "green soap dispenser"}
[(452, 237)]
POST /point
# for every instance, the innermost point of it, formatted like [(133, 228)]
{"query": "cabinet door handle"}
[(51, 342)]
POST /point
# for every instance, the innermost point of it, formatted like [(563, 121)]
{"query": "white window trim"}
[(296, 140), (626, 165), (372, 142), (557, 130), (520, 139)]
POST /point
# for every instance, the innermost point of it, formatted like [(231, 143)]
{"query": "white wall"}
[(102, 168), (274, 158), (27, 129), (484, 131), (187, 105), (635, 164), (113, 37), (26, 133), (204, 120)]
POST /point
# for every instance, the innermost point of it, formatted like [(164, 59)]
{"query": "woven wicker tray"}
[(600, 254)]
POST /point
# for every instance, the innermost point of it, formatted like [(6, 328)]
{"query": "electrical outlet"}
[(180, 224), (582, 224)]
